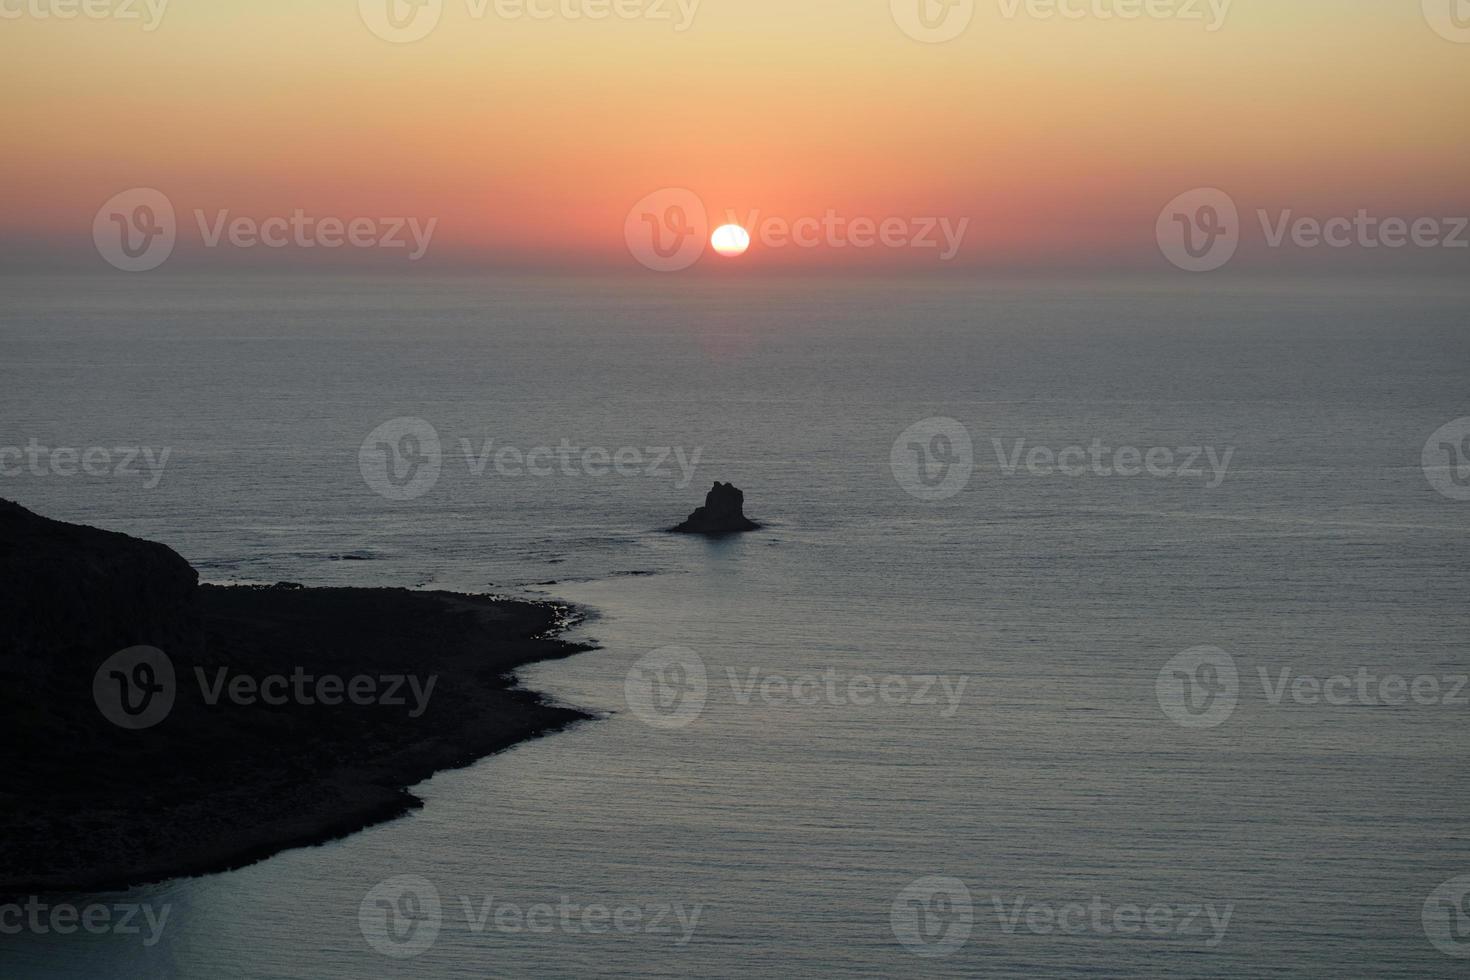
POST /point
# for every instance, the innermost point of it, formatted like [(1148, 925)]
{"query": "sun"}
[(730, 240)]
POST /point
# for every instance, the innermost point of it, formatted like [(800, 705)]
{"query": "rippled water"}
[(1056, 784)]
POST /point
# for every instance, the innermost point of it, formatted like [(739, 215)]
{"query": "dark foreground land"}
[(87, 804)]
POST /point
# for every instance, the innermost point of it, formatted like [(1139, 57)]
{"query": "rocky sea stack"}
[(723, 513)]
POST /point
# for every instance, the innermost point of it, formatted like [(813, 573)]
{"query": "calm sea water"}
[(1056, 788)]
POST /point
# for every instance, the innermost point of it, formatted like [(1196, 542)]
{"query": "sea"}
[(1095, 627)]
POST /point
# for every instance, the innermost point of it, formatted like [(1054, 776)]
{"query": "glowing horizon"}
[(529, 140)]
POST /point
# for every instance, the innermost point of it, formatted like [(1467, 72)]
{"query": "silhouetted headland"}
[(275, 716), (723, 513)]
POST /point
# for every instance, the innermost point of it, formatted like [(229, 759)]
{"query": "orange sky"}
[(529, 139)]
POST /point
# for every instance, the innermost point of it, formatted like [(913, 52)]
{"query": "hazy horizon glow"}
[(527, 141)]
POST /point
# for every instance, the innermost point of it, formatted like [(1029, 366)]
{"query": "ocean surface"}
[(1063, 814)]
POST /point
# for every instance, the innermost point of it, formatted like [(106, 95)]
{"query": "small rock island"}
[(723, 513)]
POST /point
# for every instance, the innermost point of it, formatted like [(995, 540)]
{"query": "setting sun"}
[(730, 240)]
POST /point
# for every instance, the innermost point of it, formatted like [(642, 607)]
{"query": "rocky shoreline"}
[(293, 716)]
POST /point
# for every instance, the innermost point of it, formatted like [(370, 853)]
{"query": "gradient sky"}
[(529, 140)]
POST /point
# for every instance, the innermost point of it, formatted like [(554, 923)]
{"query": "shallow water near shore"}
[(773, 833)]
